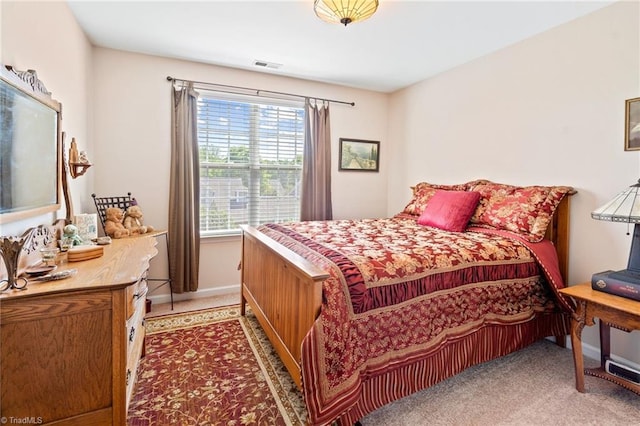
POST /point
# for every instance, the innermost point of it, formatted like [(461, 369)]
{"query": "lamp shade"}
[(345, 11), (624, 207)]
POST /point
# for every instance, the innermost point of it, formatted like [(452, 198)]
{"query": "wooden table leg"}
[(577, 324), (243, 302), (605, 342)]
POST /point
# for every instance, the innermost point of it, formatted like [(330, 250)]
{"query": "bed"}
[(364, 312)]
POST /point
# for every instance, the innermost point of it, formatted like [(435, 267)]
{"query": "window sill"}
[(215, 239)]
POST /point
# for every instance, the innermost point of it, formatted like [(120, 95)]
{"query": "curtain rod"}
[(259, 91)]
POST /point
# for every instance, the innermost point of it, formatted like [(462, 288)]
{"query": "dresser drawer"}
[(135, 334), (135, 328), (133, 294)]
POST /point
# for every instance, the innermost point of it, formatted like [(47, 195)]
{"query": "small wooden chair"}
[(103, 203), (123, 202)]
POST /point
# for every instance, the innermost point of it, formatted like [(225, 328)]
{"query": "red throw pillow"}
[(450, 210)]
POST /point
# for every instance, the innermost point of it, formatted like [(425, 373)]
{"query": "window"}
[(250, 161)]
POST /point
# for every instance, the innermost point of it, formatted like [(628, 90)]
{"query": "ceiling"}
[(402, 43)]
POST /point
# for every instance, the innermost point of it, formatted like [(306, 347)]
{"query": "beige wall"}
[(548, 110), (132, 141), (45, 36)]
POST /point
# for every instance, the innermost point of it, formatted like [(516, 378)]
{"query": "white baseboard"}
[(593, 352), (207, 292), (588, 350)]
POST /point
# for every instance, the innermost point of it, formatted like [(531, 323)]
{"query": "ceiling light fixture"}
[(345, 11)]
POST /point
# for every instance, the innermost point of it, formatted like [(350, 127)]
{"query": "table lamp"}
[(625, 207)]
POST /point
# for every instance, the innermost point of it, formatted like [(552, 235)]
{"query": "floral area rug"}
[(212, 367)]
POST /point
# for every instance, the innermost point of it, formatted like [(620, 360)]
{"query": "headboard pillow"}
[(450, 210), (523, 210), (423, 192)]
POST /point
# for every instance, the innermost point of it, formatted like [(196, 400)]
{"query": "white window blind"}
[(250, 161)]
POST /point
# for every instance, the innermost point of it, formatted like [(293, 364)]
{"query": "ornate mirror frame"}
[(30, 128)]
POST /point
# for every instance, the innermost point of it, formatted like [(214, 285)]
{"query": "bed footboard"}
[(283, 290)]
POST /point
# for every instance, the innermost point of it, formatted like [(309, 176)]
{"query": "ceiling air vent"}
[(265, 64)]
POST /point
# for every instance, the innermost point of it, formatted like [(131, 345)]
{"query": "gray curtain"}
[(184, 192), (316, 168)]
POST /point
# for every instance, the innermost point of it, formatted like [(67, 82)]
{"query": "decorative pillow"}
[(423, 192), (523, 210), (450, 210)]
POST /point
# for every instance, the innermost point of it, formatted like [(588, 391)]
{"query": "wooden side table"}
[(613, 311)]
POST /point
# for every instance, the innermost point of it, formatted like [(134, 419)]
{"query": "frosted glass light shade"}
[(624, 207), (345, 11)]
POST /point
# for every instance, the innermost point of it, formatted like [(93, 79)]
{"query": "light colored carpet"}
[(534, 386)]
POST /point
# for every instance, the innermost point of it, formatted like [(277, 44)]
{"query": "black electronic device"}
[(623, 371)]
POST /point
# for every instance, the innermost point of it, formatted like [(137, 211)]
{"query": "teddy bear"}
[(113, 226), (133, 221)]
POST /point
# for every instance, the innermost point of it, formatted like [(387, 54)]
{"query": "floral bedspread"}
[(397, 290)]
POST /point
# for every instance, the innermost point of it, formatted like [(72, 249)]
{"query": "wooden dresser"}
[(70, 348)]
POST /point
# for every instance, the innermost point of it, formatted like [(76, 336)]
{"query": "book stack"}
[(618, 283)]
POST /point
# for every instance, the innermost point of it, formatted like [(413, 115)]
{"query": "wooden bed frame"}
[(284, 290)]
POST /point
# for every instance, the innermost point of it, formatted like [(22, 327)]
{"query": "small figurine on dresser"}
[(113, 225), (134, 223), (70, 236)]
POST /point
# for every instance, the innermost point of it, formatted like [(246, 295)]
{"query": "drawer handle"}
[(141, 292), (132, 334)]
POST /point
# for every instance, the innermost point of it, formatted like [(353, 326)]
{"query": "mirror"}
[(30, 147)]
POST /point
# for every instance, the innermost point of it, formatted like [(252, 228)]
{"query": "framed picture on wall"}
[(632, 125), (359, 155)]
